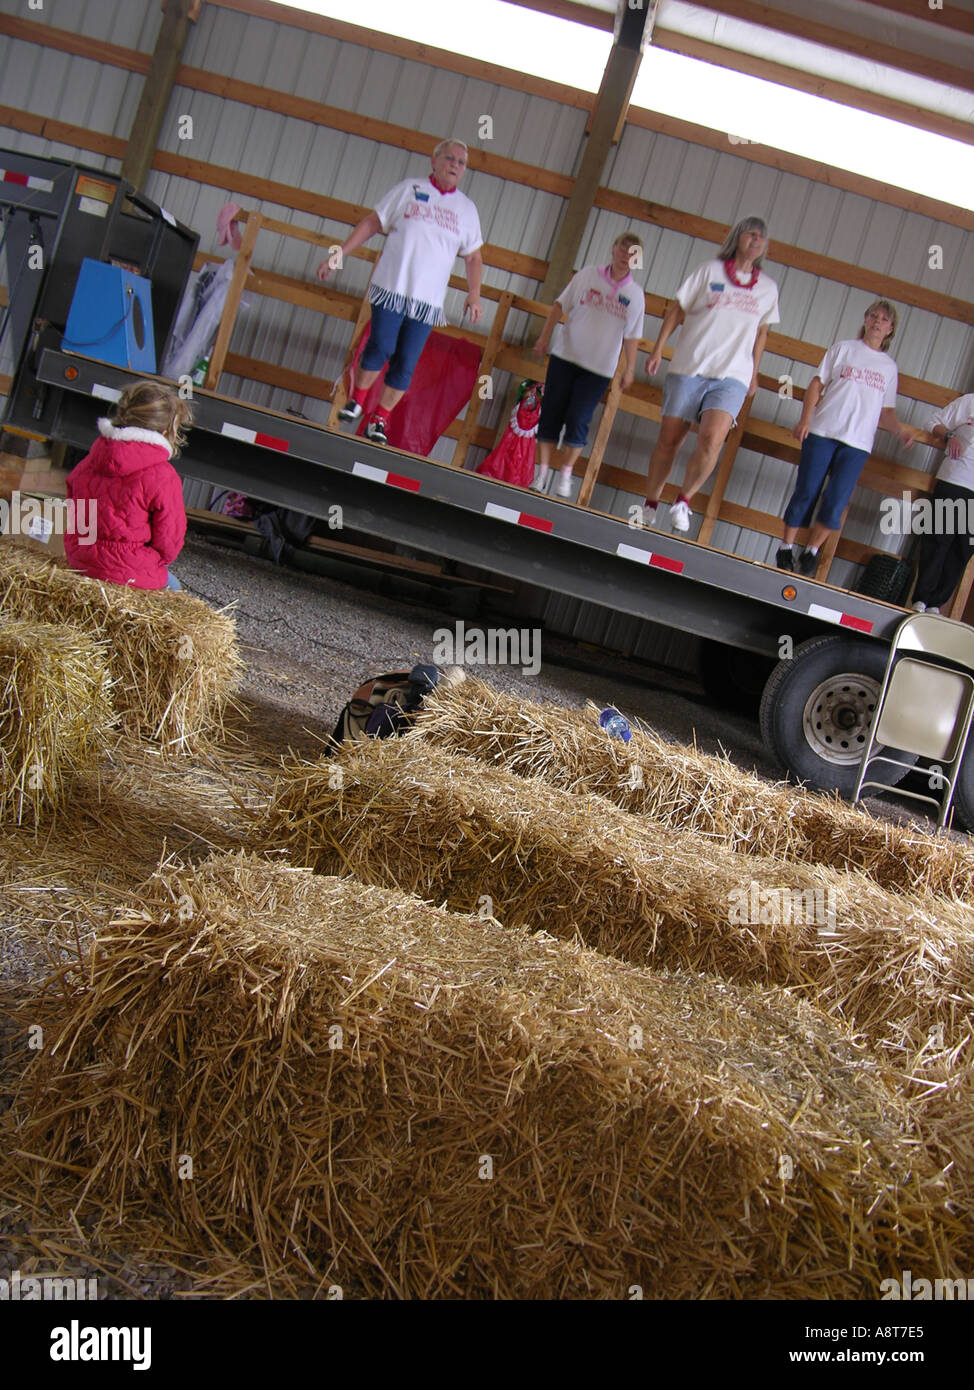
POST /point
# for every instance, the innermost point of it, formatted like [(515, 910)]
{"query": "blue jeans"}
[(821, 456), (395, 339), (571, 394), (172, 582)]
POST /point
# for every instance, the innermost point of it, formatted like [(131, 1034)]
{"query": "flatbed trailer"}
[(830, 644)]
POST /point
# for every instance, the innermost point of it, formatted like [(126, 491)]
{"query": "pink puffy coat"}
[(139, 522)]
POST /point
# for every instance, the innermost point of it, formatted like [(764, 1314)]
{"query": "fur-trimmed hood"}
[(132, 434), (129, 450)]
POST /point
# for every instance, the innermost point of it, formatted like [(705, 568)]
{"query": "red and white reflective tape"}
[(834, 615), (106, 393), (536, 523), (266, 441), (26, 180), (649, 557), (382, 475)]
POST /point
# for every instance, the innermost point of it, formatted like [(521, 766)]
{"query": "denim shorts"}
[(689, 396)]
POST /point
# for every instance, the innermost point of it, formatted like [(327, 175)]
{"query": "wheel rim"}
[(837, 717)]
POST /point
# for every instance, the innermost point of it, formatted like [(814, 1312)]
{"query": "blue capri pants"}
[(571, 394), (821, 456), (395, 339)]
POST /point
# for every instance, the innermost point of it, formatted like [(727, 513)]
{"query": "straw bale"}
[(689, 790), (403, 813), (55, 715), (174, 660), (502, 1114)]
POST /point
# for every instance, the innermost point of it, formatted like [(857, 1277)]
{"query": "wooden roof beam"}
[(842, 92), (844, 41)]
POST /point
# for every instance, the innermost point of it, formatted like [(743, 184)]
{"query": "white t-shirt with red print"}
[(858, 383), (600, 314), (722, 321), (425, 232), (958, 420)]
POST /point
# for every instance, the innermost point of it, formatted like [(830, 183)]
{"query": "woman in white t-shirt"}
[(943, 553), (428, 223), (726, 307), (852, 394), (603, 309)]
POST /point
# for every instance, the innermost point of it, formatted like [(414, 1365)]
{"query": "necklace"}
[(730, 269)]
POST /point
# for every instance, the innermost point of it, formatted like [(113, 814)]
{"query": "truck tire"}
[(817, 708)]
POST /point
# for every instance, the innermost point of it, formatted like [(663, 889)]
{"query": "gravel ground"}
[(309, 641)]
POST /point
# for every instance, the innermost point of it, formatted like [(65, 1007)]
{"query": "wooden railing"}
[(881, 475)]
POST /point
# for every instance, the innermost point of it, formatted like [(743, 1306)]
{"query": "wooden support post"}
[(605, 128), (229, 316), (476, 403), (827, 554), (731, 445), (963, 593), (609, 411), (341, 391), (157, 89)]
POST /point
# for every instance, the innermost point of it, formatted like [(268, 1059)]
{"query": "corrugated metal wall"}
[(721, 186)]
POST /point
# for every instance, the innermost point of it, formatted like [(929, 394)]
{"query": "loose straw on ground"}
[(693, 791), (173, 659), (309, 1084), (55, 715)]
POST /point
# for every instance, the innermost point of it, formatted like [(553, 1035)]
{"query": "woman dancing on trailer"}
[(726, 307), (604, 311), (942, 557), (852, 394), (428, 222)]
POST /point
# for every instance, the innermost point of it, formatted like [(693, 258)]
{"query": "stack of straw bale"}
[(452, 829), (682, 787), (381, 1095), (55, 715), (174, 660)]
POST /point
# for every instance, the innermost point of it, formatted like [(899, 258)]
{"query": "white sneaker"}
[(919, 607), (540, 483), (680, 516), (564, 484), (933, 610), (650, 513)]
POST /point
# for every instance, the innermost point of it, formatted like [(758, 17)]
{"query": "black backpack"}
[(386, 705)]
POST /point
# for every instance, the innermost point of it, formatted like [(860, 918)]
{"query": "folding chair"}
[(924, 707)]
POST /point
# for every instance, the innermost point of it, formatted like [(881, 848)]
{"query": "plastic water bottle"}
[(614, 724)]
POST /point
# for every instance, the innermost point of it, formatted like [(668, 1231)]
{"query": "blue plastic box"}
[(111, 317)]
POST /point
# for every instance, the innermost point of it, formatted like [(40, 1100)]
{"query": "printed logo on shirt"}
[(595, 299), (866, 375), (419, 195), (716, 287), (443, 217), (624, 301)]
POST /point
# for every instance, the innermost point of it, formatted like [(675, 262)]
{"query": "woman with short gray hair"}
[(428, 222), (726, 307)]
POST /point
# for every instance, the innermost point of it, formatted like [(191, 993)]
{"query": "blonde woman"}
[(603, 308), (726, 307), (852, 394)]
